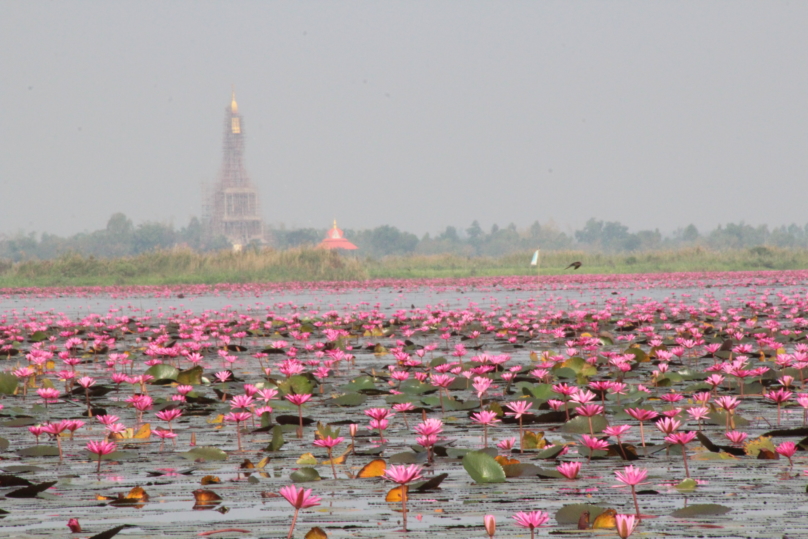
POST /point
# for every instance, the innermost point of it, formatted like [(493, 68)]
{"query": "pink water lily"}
[(300, 499), (403, 475), (101, 448), (531, 520)]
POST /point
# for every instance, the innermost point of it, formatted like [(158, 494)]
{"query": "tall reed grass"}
[(183, 266), (186, 266)]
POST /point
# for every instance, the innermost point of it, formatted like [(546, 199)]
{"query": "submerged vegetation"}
[(185, 266)]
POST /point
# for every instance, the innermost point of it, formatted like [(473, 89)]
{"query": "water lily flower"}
[(101, 448), (532, 520), (403, 475), (300, 499)]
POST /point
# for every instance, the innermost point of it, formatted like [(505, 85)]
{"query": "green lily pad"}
[(701, 510), (414, 387), (537, 391), (551, 452), (570, 514), (688, 485), (163, 372), (431, 484), (483, 468), (191, 377), (8, 383), (359, 383), (520, 470), (207, 453), (39, 451), (407, 458), (277, 439), (297, 384), (38, 336), (349, 399), (580, 425), (305, 475)]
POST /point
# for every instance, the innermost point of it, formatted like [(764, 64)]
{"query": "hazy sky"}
[(414, 114)]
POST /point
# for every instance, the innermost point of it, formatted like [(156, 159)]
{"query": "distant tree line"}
[(122, 238)]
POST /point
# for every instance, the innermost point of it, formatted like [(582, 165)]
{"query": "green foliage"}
[(483, 468), (150, 253), (163, 371), (207, 453), (8, 383), (305, 475)]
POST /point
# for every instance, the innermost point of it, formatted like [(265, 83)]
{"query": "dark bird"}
[(574, 265), (583, 521)]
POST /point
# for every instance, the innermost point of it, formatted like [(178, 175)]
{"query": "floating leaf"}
[(339, 459), (112, 532), (396, 494), (701, 510), (206, 453), (210, 480), (406, 457), (307, 459), (138, 493), (349, 399), (37, 336), (262, 463), (551, 452), (31, 491), (504, 461), (431, 484), (143, 433), (206, 497), (163, 371), (687, 485), (136, 496), (374, 468), (753, 447), (360, 383), (316, 533), (521, 470), (8, 383), (297, 385), (580, 425), (605, 521), (534, 440), (571, 514), (765, 454), (277, 439), (8, 480), (324, 431), (39, 451), (483, 468), (20, 422), (190, 377), (305, 475)]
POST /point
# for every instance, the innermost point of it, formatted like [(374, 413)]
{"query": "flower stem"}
[(331, 460), (636, 505), (294, 521), (684, 457), (405, 489), (521, 437), (300, 426)]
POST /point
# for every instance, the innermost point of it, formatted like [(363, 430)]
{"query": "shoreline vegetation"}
[(184, 266)]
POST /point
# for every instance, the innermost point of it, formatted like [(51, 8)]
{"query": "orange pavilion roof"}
[(334, 239)]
